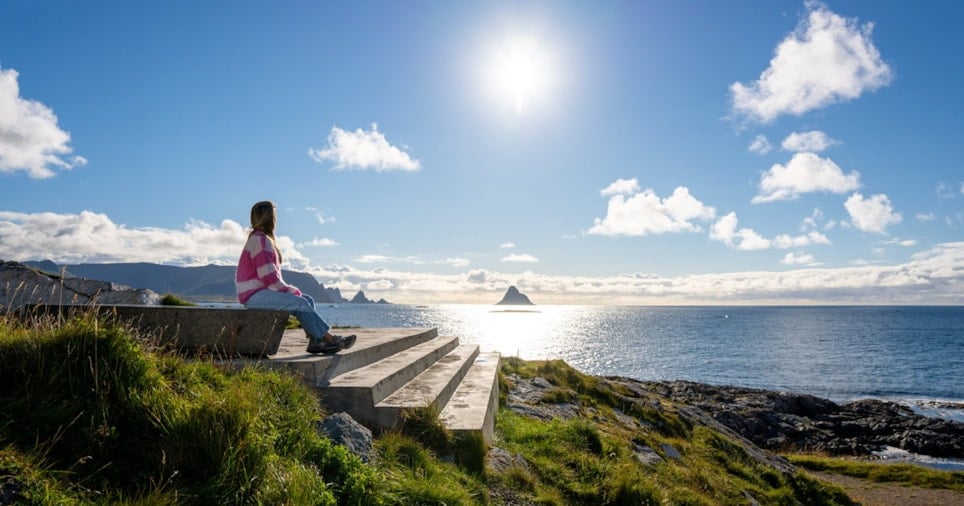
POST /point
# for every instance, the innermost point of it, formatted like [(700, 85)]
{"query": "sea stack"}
[(513, 297)]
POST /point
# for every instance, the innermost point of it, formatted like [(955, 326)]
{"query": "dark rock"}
[(498, 460), (670, 452), (22, 286), (360, 298), (646, 455), (342, 429), (10, 489), (785, 421)]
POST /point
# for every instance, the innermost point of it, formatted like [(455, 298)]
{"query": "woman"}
[(260, 285)]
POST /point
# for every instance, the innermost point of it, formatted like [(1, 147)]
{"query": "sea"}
[(913, 355)]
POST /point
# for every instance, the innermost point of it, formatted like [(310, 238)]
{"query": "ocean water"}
[(913, 355)]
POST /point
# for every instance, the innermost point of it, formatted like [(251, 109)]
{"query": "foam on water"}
[(894, 455)]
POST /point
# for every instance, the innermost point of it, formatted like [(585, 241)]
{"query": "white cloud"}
[(932, 276), (621, 187), (478, 275), (760, 145), (725, 230), (380, 285), (521, 258), (827, 59), (946, 191), (507, 245), (797, 259), (320, 242), (925, 217), (30, 139), (746, 239), (94, 237), (412, 260), (322, 219), (363, 150), (804, 173), (784, 241), (812, 221), (645, 213), (873, 214), (455, 262), (813, 141)]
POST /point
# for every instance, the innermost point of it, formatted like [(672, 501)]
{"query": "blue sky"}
[(685, 152)]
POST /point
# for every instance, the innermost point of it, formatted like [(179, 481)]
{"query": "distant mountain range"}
[(210, 282)]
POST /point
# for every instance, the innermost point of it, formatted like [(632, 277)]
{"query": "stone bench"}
[(224, 332)]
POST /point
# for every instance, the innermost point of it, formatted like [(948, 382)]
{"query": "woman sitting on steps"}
[(260, 286)]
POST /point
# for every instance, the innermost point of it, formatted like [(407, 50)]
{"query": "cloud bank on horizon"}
[(934, 276), (827, 60)]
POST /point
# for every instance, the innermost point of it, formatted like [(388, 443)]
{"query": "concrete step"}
[(474, 404), (432, 388), (371, 346), (359, 390)]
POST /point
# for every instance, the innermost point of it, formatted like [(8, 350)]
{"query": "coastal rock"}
[(498, 460), (528, 397), (342, 429), (360, 298), (784, 421), (646, 455), (537, 397), (22, 286), (513, 297)]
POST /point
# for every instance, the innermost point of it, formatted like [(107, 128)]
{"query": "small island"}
[(360, 298), (514, 298)]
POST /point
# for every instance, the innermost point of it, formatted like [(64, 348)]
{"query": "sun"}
[(519, 71)]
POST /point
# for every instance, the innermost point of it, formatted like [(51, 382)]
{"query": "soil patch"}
[(872, 493)]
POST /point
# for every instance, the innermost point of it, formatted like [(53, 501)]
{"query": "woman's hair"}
[(263, 219)]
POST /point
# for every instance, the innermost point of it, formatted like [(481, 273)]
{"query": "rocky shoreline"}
[(781, 421)]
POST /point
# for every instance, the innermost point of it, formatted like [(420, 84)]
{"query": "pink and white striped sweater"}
[(258, 269)]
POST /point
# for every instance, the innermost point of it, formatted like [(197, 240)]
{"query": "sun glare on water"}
[(519, 72)]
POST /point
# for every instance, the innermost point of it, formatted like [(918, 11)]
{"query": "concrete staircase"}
[(389, 371)]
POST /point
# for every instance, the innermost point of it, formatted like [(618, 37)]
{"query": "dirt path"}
[(871, 493)]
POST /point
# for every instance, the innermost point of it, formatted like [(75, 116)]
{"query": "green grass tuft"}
[(417, 476), (171, 299)]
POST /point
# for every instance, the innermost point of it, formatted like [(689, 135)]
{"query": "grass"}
[(420, 477), (95, 414), (904, 474), (591, 460)]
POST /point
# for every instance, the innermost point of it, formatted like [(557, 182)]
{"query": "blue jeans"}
[(303, 308)]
